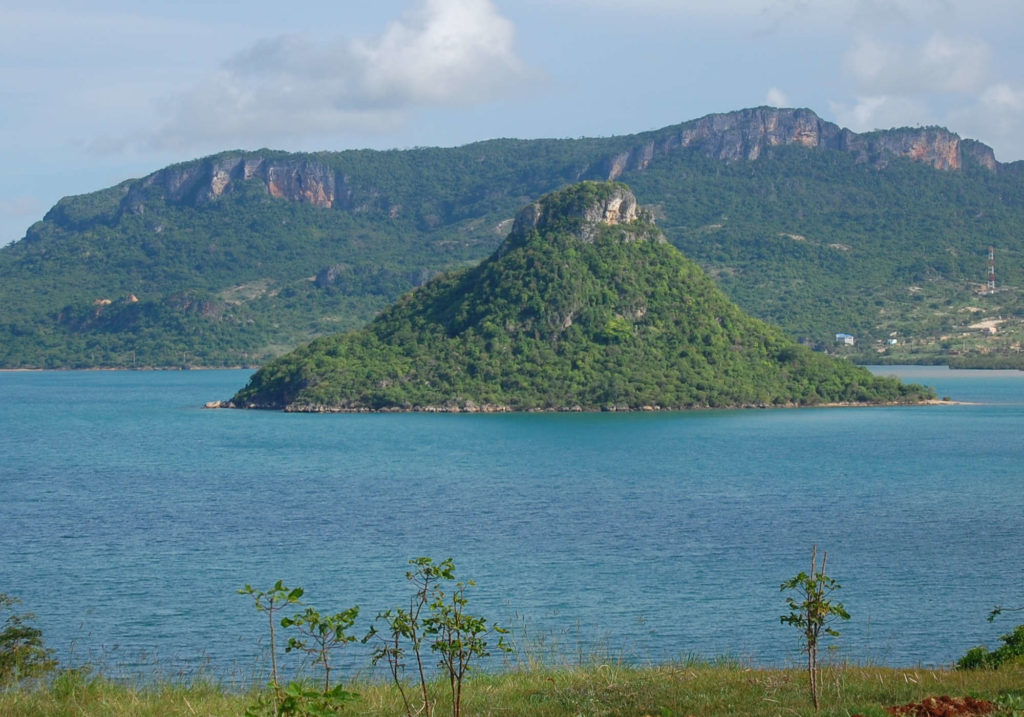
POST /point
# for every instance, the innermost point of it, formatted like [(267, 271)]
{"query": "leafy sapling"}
[(321, 634), (402, 628), (405, 629), (458, 637), (271, 602), (813, 612), (439, 620)]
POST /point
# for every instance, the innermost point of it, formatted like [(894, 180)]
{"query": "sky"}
[(93, 92)]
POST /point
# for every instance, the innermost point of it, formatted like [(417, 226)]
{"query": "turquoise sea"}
[(129, 517)]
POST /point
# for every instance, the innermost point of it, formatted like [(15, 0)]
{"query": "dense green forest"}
[(570, 313), (207, 264), (819, 244)]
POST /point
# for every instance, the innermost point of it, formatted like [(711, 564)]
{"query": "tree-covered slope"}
[(819, 243), (584, 306), (238, 257), (213, 262)]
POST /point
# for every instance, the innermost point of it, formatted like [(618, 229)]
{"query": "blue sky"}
[(93, 92)]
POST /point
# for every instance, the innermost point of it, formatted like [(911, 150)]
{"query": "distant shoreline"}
[(125, 368)]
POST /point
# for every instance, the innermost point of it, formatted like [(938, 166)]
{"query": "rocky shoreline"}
[(471, 407)]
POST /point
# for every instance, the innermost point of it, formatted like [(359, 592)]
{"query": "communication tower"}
[(991, 270)]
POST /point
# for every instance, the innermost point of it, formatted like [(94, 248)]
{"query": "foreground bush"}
[(1012, 650), (22, 653)]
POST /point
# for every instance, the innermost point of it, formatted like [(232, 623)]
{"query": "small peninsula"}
[(584, 307)]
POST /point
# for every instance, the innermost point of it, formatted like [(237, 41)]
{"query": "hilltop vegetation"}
[(239, 257), (584, 306)]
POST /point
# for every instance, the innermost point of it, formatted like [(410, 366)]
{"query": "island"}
[(584, 307)]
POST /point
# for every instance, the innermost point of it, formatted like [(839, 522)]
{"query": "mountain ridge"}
[(237, 257), (731, 136)]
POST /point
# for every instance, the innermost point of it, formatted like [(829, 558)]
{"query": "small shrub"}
[(22, 654), (457, 637), (271, 601), (974, 659), (1011, 651)]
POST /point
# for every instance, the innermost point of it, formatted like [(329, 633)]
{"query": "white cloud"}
[(941, 64), (955, 82), (993, 116), (717, 8), (1004, 98), (449, 51), (997, 116), (881, 112), (442, 53), (776, 98), (868, 13)]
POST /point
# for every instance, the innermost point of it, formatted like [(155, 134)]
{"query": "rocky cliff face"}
[(746, 134), (730, 137), (297, 179), (935, 146), (607, 205)]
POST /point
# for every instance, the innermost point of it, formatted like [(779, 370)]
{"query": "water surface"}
[(130, 516)]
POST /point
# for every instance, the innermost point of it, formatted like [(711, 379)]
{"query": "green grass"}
[(667, 690)]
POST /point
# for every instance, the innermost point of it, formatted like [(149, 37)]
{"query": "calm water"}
[(129, 517)]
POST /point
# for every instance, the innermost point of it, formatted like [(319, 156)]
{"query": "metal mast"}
[(991, 270)]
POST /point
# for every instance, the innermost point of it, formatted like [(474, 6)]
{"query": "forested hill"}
[(585, 306), (239, 257)]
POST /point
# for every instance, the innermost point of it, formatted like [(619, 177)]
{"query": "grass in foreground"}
[(671, 690)]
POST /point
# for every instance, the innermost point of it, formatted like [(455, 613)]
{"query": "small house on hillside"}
[(845, 340)]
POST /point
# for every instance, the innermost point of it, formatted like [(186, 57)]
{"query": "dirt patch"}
[(944, 707), (987, 324)]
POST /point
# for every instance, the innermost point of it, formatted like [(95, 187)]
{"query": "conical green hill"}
[(585, 306)]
